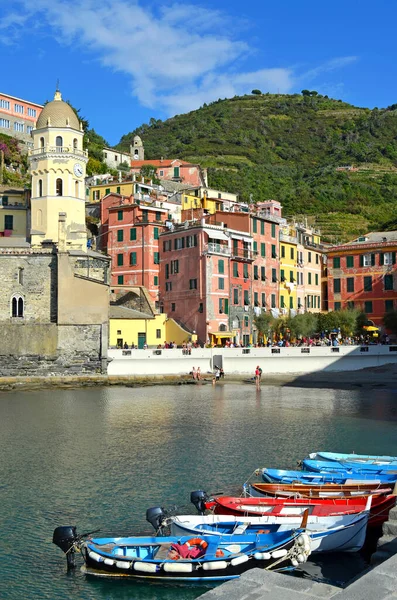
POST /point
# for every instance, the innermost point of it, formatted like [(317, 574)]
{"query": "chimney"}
[(62, 232)]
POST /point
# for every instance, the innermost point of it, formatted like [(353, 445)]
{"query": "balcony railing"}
[(58, 150), (213, 248), (243, 254)]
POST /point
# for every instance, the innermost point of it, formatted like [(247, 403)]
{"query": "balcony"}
[(213, 248), (243, 254), (58, 150)]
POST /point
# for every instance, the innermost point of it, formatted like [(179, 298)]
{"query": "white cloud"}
[(178, 56)]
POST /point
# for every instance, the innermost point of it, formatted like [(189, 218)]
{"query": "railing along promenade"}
[(292, 360)]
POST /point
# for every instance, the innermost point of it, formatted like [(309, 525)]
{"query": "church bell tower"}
[(58, 165)]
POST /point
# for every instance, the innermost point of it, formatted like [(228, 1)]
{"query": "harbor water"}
[(99, 457)]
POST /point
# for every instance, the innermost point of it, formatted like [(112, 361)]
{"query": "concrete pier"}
[(378, 583)]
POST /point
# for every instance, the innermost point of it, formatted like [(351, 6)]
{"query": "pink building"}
[(18, 117), (175, 170), (218, 273)]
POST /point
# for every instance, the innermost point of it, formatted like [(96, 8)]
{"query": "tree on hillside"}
[(257, 92), (305, 92)]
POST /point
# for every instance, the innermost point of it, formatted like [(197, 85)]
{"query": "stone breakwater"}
[(373, 378)]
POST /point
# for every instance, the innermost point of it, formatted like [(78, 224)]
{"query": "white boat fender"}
[(300, 558), (95, 556), (123, 564), (145, 567), (178, 567), (109, 561), (239, 560), (215, 565), (262, 555), (294, 562), (279, 553)]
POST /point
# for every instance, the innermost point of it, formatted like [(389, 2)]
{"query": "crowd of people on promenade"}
[(332, 340)]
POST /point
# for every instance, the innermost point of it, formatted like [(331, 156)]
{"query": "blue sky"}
[(124, 61)]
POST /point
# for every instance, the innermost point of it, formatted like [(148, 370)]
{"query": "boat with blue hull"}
[(356, 458), (207, 558), (320, 478), (346, 468), (341, 533)]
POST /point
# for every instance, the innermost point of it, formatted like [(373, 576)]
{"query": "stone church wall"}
[(32, 276), (34, 349)]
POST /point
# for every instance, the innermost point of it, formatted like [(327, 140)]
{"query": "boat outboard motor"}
[(155, 516), (198, 498), (65, 538)]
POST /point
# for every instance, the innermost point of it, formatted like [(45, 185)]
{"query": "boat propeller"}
[(198, 498), (67, 540), (156, 516)]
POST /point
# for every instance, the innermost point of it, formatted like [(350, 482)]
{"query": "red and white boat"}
[(317, 507)]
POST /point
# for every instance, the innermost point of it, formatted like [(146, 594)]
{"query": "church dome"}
[(137, 139), (57, 113)]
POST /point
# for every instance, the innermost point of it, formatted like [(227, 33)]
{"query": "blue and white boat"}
[(319, 478), (338, 533), (204, 558), (347, 468), (356, 458)]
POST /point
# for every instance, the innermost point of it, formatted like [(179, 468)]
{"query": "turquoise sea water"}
[(98, 458)]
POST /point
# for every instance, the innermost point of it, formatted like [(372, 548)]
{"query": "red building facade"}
[(131, 233), (363, 274)]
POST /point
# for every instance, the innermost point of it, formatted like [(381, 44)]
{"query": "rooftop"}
[(122, 312)]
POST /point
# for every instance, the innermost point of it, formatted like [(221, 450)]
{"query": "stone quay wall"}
[(243, 361), (38, 349)]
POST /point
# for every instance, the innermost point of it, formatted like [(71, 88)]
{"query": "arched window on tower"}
[(75, 143), (40, 188), (17, 306), (59, 141), (59, 187), (41, 142)]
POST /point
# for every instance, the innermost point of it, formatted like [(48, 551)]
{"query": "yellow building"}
[(57, 165), (13, 211), (135, 329), (310, 265), (288, 269), (190, 201)]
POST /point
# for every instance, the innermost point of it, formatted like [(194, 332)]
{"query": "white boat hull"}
[(341, 533)]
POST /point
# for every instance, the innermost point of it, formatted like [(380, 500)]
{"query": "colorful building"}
[(310, 261), (131, 236), (288, 277), (363, 274), (18, 117), (13, 211), (175, 170)]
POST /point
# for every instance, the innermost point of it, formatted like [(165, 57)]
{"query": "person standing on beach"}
[(194, 374), (198, 373), (257, 377)]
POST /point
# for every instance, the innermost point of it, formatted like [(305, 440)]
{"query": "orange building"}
[(363, 274)]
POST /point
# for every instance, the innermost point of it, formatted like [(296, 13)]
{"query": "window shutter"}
[(226, 306), (361, 260), (393, 258), (373, 259), (381, 258)]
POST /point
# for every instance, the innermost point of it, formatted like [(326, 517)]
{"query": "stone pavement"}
[(379, 583)]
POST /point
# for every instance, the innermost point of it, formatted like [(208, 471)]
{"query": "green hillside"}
[(289, 147)]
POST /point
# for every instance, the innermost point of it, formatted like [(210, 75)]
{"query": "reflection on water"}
[(101, 457)]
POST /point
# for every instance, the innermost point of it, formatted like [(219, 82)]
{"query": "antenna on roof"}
[(57, 88)]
